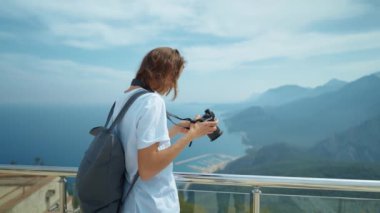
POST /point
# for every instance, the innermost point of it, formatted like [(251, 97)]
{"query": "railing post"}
[(256, 200), (62, 195)]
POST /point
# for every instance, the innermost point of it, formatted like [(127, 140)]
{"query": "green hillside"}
[(309, 120)]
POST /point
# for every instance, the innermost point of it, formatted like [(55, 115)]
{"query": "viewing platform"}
[(50, 189)]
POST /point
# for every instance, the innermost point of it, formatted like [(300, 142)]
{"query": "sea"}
[(57, 135)]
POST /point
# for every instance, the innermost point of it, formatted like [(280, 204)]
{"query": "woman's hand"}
[(200, 129), (182, 127), (151, 160)]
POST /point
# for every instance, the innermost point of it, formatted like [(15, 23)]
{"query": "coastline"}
[(207, 163)]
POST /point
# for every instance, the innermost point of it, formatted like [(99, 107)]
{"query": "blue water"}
[(59, 134)]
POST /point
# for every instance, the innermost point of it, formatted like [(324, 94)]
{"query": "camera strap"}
[(170, 116), (137, 82)]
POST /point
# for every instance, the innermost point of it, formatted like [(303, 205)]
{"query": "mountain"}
[(357, 144), (312, 119), (343, 125), (281, 95), (353, 153), (330, 86), (288, 93), (253, 97), (278, 96)]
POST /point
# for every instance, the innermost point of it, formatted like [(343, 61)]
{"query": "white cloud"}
[(31, 79), (99, 24), (241, 32), (89, 24), (277, 45), (48, 10), (100, 35), (351, 70), (247, 18)]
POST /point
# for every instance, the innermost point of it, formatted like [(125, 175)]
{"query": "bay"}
[(58, 135)]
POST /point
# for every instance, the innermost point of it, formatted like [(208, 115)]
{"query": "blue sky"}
[(87, 52)]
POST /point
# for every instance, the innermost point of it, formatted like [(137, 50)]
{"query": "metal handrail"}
[(222, 179), (56, 171), (254, 181)]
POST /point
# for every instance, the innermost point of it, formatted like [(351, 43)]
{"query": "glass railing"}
[(214, 201), (325, 204), (50, 189)]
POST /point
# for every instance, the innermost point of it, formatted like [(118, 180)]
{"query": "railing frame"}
[(254, 181), (256, 200), (62, 195)]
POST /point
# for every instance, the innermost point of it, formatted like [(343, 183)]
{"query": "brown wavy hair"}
[(160, 70)]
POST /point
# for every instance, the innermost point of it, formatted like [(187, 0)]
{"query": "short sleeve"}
[(152, 124)]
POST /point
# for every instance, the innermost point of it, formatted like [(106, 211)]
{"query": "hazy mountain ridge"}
[(309, 120), (351, 150), (288, 93), (279, 96), (360, 143), (342, 131), (354, 154)]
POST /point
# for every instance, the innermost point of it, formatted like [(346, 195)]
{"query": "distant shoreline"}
[(207, 163)]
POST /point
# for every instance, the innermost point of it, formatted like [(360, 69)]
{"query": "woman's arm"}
[(151, 161), (182, 127)]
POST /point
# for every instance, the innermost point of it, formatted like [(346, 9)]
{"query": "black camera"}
[(210, 116)]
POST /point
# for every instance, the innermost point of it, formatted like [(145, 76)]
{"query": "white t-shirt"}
[(144, 124)]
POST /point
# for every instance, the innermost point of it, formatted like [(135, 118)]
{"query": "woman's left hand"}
[(181, 127)]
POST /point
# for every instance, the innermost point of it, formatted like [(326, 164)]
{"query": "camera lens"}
[(213, 136)]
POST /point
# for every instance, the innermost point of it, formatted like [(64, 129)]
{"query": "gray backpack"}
[(101, 174)]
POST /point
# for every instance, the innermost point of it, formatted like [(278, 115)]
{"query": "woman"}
[(146, 138)]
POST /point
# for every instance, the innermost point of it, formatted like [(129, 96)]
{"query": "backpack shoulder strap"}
[(126, 107), (117, 119), (110, 114), (126, 193)]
